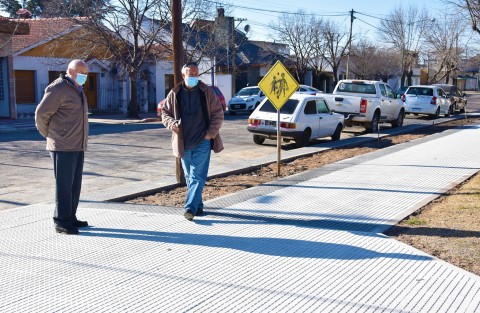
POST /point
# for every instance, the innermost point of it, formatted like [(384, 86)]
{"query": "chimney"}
[(221, 12), (24, 13)]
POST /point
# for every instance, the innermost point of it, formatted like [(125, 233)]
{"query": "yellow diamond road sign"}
[(278, 85)]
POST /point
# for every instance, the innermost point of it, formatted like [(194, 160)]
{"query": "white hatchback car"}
[(302, 117), (426, 99), (246, 100)]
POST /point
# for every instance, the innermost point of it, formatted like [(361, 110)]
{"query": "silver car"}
[(426, 99)]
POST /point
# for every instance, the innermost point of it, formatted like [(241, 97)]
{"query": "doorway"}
[(90, 89)]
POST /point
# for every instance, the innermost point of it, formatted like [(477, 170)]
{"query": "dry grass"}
[(448, 228)]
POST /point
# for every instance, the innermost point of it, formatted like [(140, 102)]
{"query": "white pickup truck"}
[(366, 103)]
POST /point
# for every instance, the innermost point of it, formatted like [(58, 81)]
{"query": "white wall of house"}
[(161, 69), (224, 83), (41, 66)]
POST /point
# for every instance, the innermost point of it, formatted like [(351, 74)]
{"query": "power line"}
[(275, 11), (372, 16)]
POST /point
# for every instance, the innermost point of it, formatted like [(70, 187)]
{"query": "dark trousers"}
[(68, 169)]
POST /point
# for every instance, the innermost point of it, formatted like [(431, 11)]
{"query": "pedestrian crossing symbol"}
[(278, 85)]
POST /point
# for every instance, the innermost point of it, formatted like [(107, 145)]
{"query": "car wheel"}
[(338, 132), (449, 111), (232, 113), (399, 121), (436, 115), (373, 126), (258, 139), (304, 139)]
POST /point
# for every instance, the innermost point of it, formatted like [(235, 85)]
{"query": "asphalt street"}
[(121, 154)]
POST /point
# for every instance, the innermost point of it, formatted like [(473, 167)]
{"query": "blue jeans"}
[(68, 170), (195, 164)]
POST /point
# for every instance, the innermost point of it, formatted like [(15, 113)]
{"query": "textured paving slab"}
[(309, 243), (138, 261)]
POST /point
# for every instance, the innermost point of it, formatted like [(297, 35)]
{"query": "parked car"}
[(366, 103), (302, 118), (427, 99), (400, 91), (457, 97), (217, 91), (246, 100), (308, 90)]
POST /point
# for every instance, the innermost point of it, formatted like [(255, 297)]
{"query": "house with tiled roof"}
[(7, 88), (40, 56)]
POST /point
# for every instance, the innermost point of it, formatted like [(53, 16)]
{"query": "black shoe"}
[(199, 212), (188, 215), (80, 224), (66, 230)]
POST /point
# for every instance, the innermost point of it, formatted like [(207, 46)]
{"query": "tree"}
[(317, 63), (337, 43), (371, 62), (119, 29), (472, 8), (445, 43), (405, 29), (51, 8), (10, 6), (297, 31)]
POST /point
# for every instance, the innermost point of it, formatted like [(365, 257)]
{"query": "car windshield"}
[(421, 91), (355, 87), (288, 108), (248, 92), (446, 89)]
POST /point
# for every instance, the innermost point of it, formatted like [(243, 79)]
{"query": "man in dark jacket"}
[(194, 114), (62, 118)]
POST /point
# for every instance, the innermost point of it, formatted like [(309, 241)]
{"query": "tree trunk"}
[(133, 108)]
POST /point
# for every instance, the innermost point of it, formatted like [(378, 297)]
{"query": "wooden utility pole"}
[(176, 7), (350, 40)]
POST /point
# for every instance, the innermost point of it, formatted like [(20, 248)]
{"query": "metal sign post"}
[(278, 85), (279, 143)]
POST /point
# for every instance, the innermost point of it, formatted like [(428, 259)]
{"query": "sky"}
[(259, 14)]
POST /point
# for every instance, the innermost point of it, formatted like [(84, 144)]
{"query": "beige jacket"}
[(171, 115), (62, 117)]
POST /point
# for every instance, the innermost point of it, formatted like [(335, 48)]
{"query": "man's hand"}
[(176, 127), (207, 137)]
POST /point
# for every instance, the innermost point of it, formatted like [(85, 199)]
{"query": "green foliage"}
[(54, 8), (10, 6)]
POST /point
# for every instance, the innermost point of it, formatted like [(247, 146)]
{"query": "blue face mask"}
[(81, 78), (191, 81)]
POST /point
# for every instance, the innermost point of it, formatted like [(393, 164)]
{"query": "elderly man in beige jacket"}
[(62, 118)]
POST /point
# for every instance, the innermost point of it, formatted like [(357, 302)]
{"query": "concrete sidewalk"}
[(310, 242)]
